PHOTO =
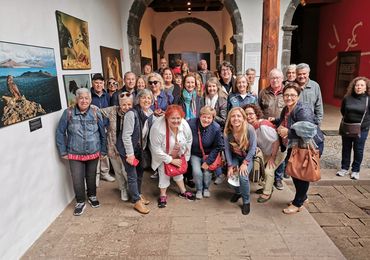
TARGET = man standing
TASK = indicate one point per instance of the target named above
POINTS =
(130, 81)
(162, 65)
(101, 99)
(271, 102)
(203, 71)
(225, 71)
(311, 92)
(251, 76)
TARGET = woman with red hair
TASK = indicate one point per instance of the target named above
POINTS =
(174, 127)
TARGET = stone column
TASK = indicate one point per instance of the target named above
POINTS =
(161, 53)
(270, 40)
(287, 45)
(217, 53)
(135, 59)
(237, 40)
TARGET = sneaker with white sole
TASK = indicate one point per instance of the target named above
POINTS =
(220, 179)
(154, 175)
(199, 195)
(206, 193)
(124, 195)
(355, 175)
(342, 172)
(94, 202)
(107, 177)
(79, 208)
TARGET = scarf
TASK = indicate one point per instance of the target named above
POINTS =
(211, 101)
(190, 104)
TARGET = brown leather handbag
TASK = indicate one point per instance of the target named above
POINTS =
(304, 164)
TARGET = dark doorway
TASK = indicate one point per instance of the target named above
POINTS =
(305, 37)
(154, 53)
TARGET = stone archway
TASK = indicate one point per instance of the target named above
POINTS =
(288, 29)
(200, 22)
(137, 11)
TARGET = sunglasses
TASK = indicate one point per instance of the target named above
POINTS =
(113, 83)
(125, 94)
(155, 82)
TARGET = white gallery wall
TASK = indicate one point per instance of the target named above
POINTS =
(35, 185)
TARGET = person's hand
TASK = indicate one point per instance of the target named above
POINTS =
(271, 163)
(102, 157)
(243, 169)
(205, 166)
(282, 131)
(158, 112)
(130, 159)
(65, 157)
(271, 119)
(230, 171)
(176, 162)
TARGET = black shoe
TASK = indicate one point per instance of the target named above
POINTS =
(246, 208)
(79, 209)
(235, 197)
(279, 184)
(94, 202)
(259, 191)
(190, 184)
(162, 201)
(286, 176)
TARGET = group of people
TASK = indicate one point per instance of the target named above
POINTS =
(202, 121)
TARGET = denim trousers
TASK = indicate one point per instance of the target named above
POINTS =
(279, 172)
(134, 178)
(244, 188)
(357, 144)
(81, 171)
(202, 178)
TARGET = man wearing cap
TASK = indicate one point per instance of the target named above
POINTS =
(101, 99)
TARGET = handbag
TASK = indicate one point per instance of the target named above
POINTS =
(217, 162)
(258, 169)
(352, 129)
(304, 164)
(170, 169)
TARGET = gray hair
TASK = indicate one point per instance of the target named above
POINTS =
(81, 91)
(249, 70)
(291, 67)
(302, 66)
(276, 71)
(155, 75)
(145, 92)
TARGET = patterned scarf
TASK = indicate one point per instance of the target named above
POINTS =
(190, 104)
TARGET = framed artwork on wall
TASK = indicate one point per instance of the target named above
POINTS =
(74, 82)
(28, 82)
(73, 42)
(111, 64)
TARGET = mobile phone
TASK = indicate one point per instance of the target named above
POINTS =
(136, 162)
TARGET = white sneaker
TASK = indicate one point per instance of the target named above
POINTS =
(220, 179)
(154, 175)
(206, 193)
(107, 177)
(199, 195)
(355, 175)
(97, 179)
(342, 172)
(124, 195)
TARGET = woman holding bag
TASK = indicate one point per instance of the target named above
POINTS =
(170, 144)
(293, 112)
(355, 109)
(205, 150)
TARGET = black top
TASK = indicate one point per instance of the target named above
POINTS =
(353, 108)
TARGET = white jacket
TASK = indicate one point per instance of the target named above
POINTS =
(158, 141)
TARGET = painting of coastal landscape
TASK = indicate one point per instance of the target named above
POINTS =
(28, 82)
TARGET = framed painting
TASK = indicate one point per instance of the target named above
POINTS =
(28, 82)
(73, 42)
(111, 64)
(74, 82)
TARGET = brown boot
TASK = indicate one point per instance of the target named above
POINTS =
(140, 207)
(144, 200)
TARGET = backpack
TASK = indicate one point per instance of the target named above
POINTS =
(258, 169)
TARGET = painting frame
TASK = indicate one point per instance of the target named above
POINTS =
(28, 82)
(72, 82)
(74, 46)
(111, 64)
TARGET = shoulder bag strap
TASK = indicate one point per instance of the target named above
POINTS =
(200, 143)
(367, 101)
(167, 139)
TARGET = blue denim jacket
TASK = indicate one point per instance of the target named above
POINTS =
(81, 134)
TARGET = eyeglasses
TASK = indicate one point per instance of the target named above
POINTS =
(113, 83)
(275, 78)
(290, 95)
(125, 94)
(250, 114)
(155, 82)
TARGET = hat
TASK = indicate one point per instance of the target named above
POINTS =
(98, 76)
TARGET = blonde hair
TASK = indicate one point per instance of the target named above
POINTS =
(214, 80)
(155, 75)
(238, 78)
(207, 110)
(242, 133)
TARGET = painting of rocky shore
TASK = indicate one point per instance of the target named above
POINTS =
(28, 83)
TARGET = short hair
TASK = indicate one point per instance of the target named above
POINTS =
(171, 109)
(144, 92)
(212, 80)
(292, 85)
(277, 71)
(207, 110)
(98, 76)
(125, 96)
(239, 77)
(128, 73)
(291, 67)
(168, 68)
(81, 91)
(158, 76)
(225, 64)
(256, 109)
(249, 70)
(352, 84)
(302, 66)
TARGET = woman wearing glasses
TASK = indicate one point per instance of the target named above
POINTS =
(293, 112)
(112, 86)
(161, 98)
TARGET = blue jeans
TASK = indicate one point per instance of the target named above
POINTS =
(81, 170)
(202, 178)
(279, 173)
(358, 145)
(244, 188)
(134, 178)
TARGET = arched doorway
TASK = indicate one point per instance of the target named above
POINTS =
(137, 11)
(194, 20)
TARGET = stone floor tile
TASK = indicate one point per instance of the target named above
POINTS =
(328, 219)
(311, 207)
(356, 253)
(232, 244)
(349, 191)
(350, 221)
(188, 245)
(340, 232)
(272, 258)
(363, 202)
(223, 224)
(266, 245)
(188, 225)
(154, 225)
(366, 221)
(149, 245)
(230, 257)
(254, 226)
(362, 231)
(342, 242)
